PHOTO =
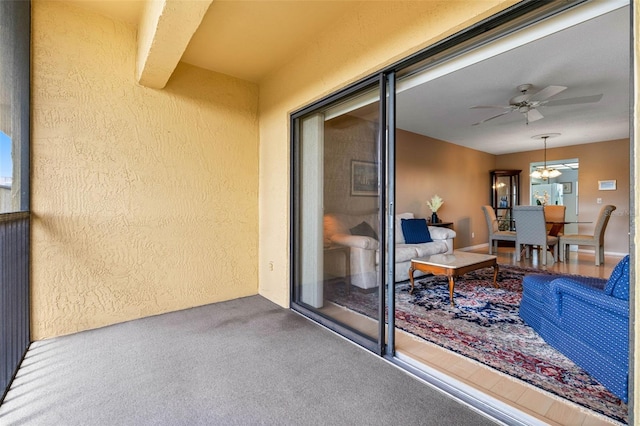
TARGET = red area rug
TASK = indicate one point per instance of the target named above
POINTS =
(485, 326)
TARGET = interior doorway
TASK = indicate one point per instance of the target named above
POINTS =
(561, 190)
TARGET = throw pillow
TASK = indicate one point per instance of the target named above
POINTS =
(365, 230)
(398, 223)
(618, 283)
(416, 231)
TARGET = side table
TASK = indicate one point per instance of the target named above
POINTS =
(346, 252)
(442, 224)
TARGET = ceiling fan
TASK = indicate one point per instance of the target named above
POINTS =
(527, 103)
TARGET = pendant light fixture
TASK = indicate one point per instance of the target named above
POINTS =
(545, 173)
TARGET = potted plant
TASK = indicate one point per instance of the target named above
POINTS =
(435, 203)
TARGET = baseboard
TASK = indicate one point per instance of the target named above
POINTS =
(470, 248)
(606, 253)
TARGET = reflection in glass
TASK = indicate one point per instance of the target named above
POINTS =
(337, 244)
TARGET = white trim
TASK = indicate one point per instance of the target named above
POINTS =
(606, 253)
(471, 248)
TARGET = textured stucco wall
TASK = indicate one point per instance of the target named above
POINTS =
(144, 201)
(377, 34)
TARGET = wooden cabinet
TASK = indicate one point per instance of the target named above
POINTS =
(505, 193)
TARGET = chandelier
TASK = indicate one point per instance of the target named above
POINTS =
(545, 173)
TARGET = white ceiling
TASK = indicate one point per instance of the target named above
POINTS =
(589, 58)
(250, 39)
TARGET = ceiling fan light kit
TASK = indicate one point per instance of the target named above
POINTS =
(545, 173)
(527, 103)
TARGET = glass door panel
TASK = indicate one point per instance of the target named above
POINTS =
(336, 244)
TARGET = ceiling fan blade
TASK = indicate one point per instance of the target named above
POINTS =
(491, 106)
(571, 101)
(546, 93)
(491, 118)
(534, 115)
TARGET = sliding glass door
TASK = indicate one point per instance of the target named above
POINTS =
(338, 229)
(438, 105)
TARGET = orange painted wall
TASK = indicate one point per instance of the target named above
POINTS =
(459, 175)
(598, 161)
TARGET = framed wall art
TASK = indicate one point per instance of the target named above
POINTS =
(364, 178)
(607, 185)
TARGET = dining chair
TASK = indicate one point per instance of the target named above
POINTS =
(495, 234)
(531, 231)
(596, 240)
(555, 213)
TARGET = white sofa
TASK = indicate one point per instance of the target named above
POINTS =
(364, 250)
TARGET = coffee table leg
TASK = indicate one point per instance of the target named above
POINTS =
(451, 285)
(495, 275)
(411, 278)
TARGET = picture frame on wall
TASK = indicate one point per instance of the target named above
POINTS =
(364, 178)
(607, 185)
(567, 187)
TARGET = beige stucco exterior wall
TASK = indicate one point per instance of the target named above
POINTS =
(144, 201)
(375, 35)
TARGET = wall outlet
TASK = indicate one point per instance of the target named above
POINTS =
(473, 235)
(271, 265)
(598, 200)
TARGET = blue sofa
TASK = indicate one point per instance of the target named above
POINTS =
(587, 319)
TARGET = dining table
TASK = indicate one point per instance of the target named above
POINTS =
(556, 226)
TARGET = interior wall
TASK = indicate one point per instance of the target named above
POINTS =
(375, 35)
(598, 161)
(459, 175)
(143, 201)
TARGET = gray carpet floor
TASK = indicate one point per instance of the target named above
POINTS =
(242, 362)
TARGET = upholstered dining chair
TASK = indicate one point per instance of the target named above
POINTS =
(554, 213)
(596, 240)
(531, 231)
(495, 234)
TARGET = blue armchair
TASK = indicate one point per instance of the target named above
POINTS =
(587, 319)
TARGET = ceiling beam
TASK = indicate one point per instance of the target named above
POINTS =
(165, 29)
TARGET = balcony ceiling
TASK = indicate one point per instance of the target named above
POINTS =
(250, 39)
(244, 39)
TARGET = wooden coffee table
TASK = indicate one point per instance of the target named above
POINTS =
(452, 266)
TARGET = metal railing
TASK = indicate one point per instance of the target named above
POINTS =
(14, 295)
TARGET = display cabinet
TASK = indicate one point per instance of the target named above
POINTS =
(505, 193)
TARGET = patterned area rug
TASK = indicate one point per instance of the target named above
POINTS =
(485, 326)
